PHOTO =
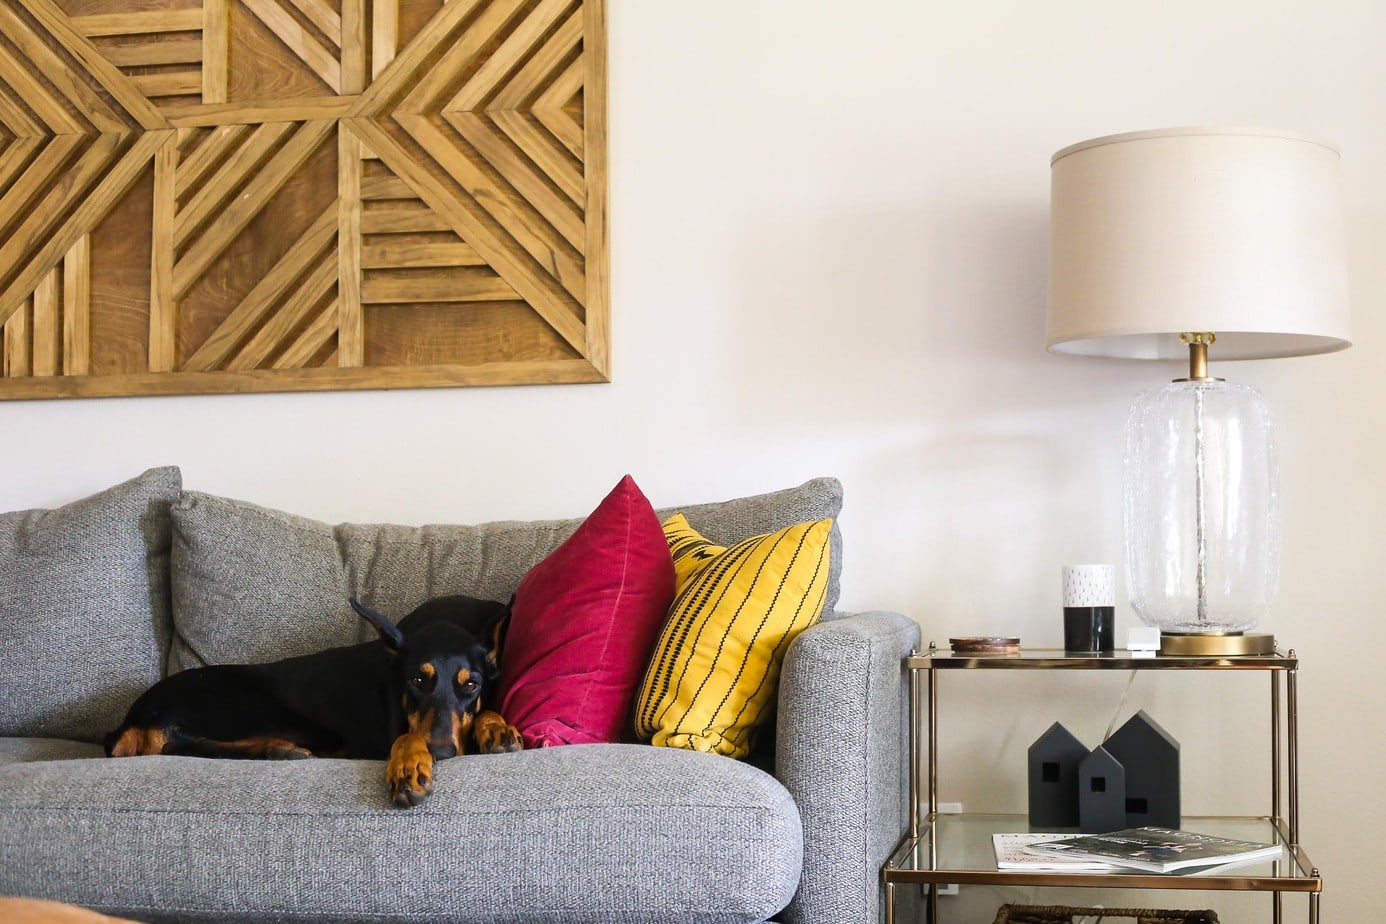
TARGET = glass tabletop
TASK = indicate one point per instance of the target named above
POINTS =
(958, 849)
(1057, 659)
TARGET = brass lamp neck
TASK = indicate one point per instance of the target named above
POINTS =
(1198, 355)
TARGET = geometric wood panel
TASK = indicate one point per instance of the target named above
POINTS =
(279, 195)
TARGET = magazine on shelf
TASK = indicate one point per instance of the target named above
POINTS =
(1012, 853)
(1158, 850)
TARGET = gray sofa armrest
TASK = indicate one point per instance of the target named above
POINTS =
(840, 751)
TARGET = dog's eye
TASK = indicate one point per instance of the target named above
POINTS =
(470, 686)
(418, 681)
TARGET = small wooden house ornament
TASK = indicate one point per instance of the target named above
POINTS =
(1054, 759)
(1101, 793)
(1150, 757)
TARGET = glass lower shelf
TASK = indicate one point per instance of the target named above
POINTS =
(958, 849)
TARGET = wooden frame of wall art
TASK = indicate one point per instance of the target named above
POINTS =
(279, 195)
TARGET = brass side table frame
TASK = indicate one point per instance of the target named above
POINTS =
(916, 859)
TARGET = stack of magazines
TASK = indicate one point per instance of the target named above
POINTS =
(1152, 850)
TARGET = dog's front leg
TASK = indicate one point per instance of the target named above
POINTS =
(410, 770)
(494, 735)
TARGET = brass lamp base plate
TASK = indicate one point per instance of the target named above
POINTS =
(1197, 644)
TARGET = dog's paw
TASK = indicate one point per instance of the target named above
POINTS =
(409, 771)
(287, 751)
(496, 736)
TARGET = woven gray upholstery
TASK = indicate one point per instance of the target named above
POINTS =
(585, 833)
(84, 612)
(18, 750)
(839, 751)
(609, 833)
(254, 584)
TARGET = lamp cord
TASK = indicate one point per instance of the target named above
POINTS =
(1121, 703)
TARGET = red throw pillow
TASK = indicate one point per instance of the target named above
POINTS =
(583, 624)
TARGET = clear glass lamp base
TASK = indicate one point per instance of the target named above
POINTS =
(1202, 524)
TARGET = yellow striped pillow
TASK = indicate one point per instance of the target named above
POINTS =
(715, 669)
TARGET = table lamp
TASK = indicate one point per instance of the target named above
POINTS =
(1199, 242)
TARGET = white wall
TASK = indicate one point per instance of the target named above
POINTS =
(829, 228)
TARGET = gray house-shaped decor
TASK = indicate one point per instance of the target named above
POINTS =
(1151, 759)
(1101, 793)
(1053, 767)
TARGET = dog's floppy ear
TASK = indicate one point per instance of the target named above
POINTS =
(495, 638)
(389, 632)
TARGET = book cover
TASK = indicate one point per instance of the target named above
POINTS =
(1158, 850)
(1011, 853)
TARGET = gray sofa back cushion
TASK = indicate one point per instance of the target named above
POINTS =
(84, 608)
(254, 584)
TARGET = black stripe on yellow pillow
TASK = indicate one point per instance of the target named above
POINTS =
(716, 666)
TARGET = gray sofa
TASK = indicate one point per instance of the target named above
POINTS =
(100, 598)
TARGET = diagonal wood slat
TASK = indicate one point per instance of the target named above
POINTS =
(311, 341)
(46, 209)
(80, 62)
(559, 93)
(529, 186)
(539, 147)
(16, 117)
(509, 57)
(57, 239)
(530, 281)
(428, 95)
(172, 219)
(46, 107)
(287, 315)
(522, 227)
(321, 14)
(49, 334)
(240, 166)
(214, 147)
(538, 73)
(232, 220)
(563, 127)
(270, 291)
(320, 58)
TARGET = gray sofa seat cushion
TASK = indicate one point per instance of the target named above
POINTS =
(21, 750)
(84, 608)
(255, 584)
(599, 833)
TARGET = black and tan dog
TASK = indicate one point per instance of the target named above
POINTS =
(413, 696)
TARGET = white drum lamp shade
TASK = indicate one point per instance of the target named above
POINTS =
(1190, 243)
(1155, 234)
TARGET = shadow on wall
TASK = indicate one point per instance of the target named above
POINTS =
(973, 528)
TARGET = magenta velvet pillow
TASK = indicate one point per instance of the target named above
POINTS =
(583, 624)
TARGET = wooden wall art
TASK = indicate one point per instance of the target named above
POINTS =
(282, 195)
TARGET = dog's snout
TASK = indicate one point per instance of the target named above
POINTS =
(445, 734)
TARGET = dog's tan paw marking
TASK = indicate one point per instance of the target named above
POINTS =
(496, 736)
(409, 771)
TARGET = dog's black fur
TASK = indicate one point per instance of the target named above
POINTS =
(413, 696)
